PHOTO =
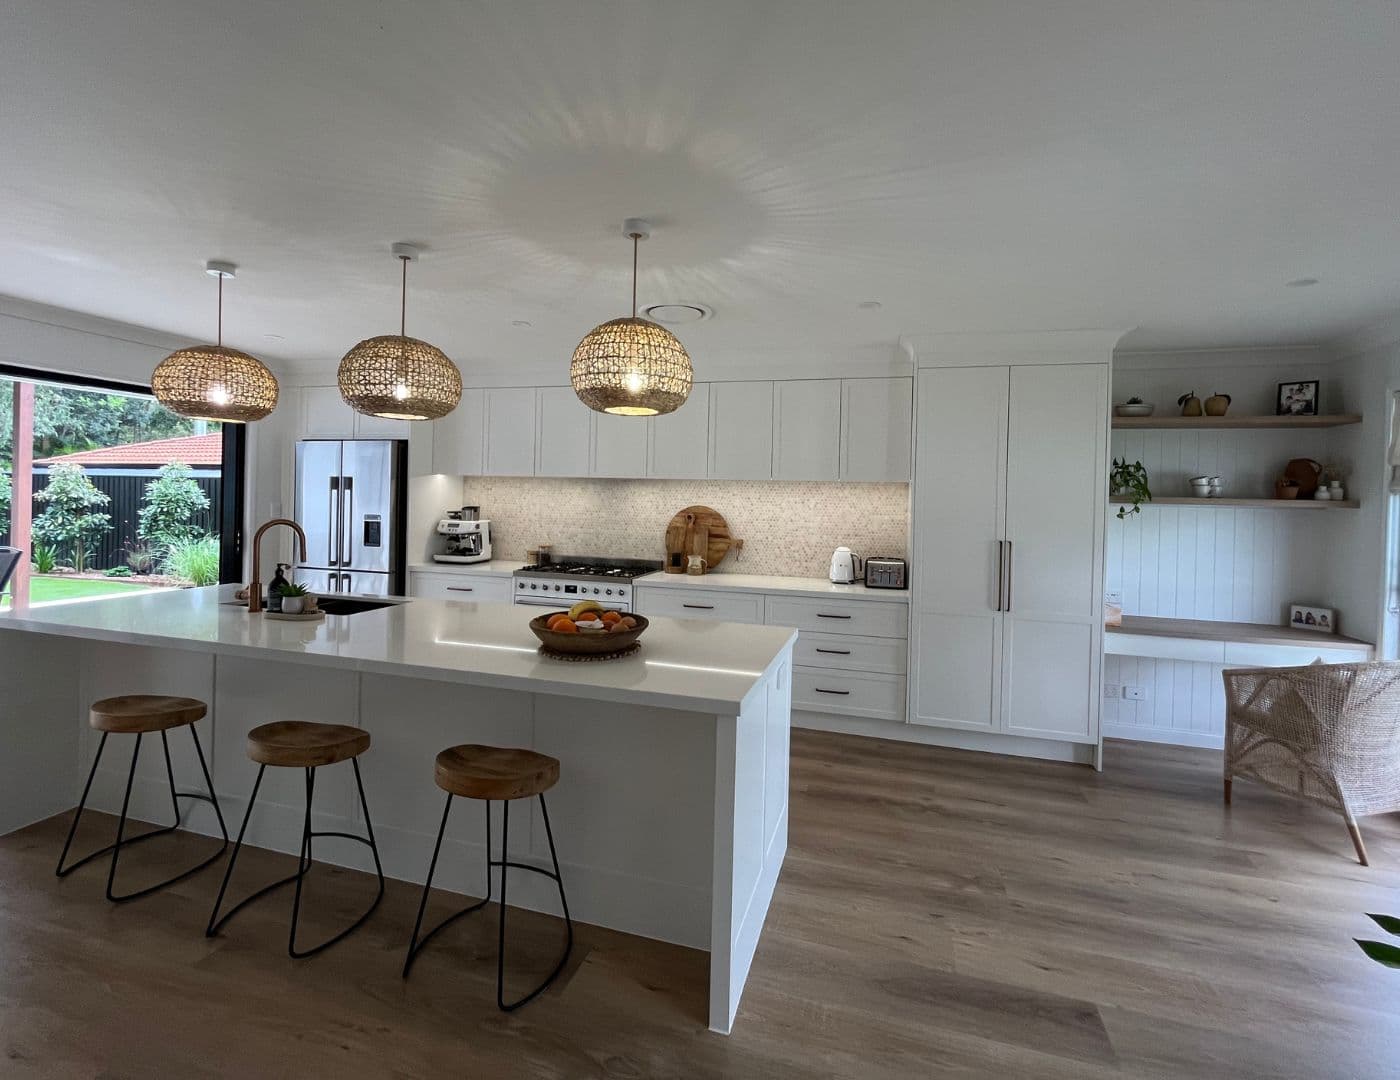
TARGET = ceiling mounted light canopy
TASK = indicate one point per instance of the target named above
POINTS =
(399, 377)
(630, 366)
(210, 382)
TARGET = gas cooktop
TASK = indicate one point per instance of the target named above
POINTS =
(594, 567)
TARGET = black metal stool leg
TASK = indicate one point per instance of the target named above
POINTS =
(415, 945)
(215, 923)
(505, 862)
(122, 840)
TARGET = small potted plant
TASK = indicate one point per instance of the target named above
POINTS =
(1134, 406)
(293, 598)
(1129, 481)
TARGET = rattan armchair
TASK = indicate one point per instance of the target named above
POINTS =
(1329, 733)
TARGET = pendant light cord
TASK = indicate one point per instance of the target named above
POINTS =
(636, 239)
(403, 296)
(221, 310)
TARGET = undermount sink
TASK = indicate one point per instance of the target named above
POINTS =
(341, 605)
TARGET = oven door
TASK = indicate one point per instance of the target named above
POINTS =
(562, 603)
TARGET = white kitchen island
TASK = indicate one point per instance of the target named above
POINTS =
(670, 814)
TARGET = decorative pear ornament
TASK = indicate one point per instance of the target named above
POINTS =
(1217, 404)
(1190, 404)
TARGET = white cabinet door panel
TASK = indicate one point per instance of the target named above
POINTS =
(494, 589)
(324, 414)
(459, 437)
(510, 431)
(1049, 693)
(955, 680)
(379, 427)
(565, 426)
(807, 429)
(741, 431)
(620, 445)
(680, 441)
(876, 429)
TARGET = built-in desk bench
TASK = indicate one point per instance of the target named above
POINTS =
(1230, 643)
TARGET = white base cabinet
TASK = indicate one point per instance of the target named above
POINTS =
(466, 587)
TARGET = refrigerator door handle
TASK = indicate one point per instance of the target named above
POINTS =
(332, 535)
(347, 500)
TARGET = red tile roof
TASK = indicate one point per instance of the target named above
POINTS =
(194, 450)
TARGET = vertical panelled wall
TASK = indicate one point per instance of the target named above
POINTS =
(1234, 565)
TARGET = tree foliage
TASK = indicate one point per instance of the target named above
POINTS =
(4, 496)
(72, 517)
(169, 506)
(68, 419)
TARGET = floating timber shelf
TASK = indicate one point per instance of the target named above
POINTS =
(1250, 504)
(1168, 423)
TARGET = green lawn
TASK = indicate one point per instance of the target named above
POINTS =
(43, 588)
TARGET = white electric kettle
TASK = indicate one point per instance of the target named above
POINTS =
(845, 566)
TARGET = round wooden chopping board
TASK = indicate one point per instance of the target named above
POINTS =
(681, 529)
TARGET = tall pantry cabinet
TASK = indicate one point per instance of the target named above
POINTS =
(1009, 502)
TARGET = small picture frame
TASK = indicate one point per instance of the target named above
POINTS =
(1322, 620)
(1297, 398)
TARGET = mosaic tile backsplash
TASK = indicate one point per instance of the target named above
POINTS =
(788, 527)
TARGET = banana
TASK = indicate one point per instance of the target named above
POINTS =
(583, 606)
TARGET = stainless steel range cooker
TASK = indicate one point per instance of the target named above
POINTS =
(565, 581)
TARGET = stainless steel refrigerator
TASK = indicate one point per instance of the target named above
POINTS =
(351, 500)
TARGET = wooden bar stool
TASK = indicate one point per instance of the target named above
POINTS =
(297, 744)
(487, 773)
(141, 715)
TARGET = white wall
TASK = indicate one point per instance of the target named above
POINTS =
(52, 339)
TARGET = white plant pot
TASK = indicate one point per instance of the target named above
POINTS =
(293, 605)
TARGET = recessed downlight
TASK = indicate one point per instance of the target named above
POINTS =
(1300, 283)
(677, 314)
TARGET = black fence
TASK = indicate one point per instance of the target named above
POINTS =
(125, 489)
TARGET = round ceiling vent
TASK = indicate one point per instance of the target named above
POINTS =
(676, 314)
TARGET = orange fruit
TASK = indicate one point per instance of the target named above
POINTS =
(565, 625)
(611, 617)
(629, 622)
(554, 620)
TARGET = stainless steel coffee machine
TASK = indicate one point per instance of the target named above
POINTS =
(464, 539)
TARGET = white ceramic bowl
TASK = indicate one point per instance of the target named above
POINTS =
(1133, 410)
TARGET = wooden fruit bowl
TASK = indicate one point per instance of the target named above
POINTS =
(582, 644)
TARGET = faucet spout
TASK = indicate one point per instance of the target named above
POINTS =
(255, 600)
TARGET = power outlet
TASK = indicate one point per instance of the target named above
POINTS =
(1112, 690)
(1113, 596)
(1135, 693)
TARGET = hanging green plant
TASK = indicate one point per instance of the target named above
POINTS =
(1130, 481)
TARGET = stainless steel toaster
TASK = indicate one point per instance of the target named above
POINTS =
(886, 573)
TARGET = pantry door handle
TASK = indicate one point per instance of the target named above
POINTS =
(836, 652)
(839, 693)
(1010, 571)
(821, 615)
(700, 607)
(1001, 573)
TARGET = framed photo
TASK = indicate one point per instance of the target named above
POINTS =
(1321, 619)
(1297, 398)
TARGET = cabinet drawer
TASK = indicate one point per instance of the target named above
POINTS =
(486, 590)
(865, 617)
(886, 656)
(700, 604)
(879, 697)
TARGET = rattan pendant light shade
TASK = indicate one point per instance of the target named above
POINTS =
(631, 366)
(399, 377)
(211, 382)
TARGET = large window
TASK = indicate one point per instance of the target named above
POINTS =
(121, 494)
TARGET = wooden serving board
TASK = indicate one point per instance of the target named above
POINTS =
(683, 534)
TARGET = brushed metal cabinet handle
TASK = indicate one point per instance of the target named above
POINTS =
(839, 693)
(700, 607)
(823, 615)
(835, 652)
(460, 588)
(1010, 571)
(1001, 573)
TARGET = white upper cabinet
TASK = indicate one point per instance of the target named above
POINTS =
(459, 442)
(876, 428)
(565, 429)
(324, 415)
(680, 441)
(620, 445)
(510, 431)
(741, 431)
(807, 429)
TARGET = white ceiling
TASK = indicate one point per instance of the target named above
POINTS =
(974, 166)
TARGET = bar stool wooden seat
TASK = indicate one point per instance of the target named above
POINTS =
(491, 773)
(141, 715)
(298, 744)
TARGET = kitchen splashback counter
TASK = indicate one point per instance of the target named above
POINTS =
(769, 583)
(671, 809)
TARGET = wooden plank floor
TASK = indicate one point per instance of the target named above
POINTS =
(941, 914)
